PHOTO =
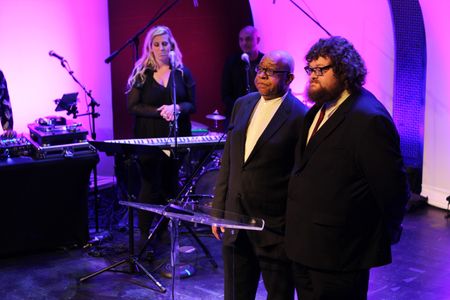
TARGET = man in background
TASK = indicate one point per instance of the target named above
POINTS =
(239, 71)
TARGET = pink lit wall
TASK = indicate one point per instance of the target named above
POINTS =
(77, 30)
(367, 24)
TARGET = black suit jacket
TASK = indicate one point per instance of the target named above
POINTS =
(258, 187)
(348, 191)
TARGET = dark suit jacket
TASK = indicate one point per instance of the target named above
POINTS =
(348, 191)
(258, 187)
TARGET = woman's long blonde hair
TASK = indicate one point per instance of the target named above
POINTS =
(147, 60)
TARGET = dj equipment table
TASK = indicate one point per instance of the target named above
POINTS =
(44, 202)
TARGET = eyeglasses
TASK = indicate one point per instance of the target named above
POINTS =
(318, 71)
(267, 72)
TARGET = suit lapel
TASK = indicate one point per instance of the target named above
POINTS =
(330, 125)
(277, 121)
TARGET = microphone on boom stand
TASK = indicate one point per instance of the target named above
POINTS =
(245, 58)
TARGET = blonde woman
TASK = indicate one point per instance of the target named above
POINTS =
(150, 102)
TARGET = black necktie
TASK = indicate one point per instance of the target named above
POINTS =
(319, 121)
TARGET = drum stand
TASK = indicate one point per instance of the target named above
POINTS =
(190, 230)
(132, 260)
(184, 196)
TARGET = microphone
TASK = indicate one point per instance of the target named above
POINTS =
(52, 53)
(245, 58)
(172, 58)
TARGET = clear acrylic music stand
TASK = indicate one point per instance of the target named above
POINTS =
(195, 214)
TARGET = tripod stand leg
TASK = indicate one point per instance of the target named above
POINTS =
(161, 288)
(204, 248)
(152, 234)
(103, 270)
(133, 262)
(96, 199)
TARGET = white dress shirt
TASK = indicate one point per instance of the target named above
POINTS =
(261, 116)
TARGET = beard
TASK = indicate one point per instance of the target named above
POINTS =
(323, 95)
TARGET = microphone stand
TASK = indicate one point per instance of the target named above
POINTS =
(133, 40)
(311, 18)
(247, 77)
(174, 127)
(93, 115)
(174, 123)
(132, 260)
(183, 194)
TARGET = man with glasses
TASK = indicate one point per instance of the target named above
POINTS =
(239, 70)
(348, 189)
(253, 180)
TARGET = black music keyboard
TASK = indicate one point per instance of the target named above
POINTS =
(155, 145)
(168, 143)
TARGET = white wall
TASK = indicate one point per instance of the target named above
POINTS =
(436, 167)
(77, 30)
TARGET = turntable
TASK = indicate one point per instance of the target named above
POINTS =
(56, 130)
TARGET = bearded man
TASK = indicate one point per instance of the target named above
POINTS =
(348, 189)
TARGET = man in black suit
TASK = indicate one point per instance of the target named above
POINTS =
(348, 190)
(239, 70)
(253, 180)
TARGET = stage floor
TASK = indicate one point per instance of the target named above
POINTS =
(420, 270)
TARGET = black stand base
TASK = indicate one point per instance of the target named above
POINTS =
(135, 266)
(132, 260)
(184, 270)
